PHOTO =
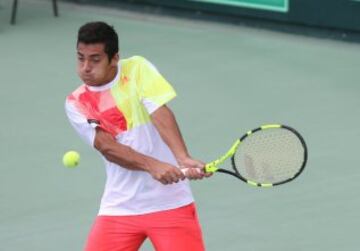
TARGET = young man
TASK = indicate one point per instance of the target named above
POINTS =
(120, 109)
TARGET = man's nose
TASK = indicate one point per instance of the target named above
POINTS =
(86, 66)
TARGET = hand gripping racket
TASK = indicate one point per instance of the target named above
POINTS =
(267, 156)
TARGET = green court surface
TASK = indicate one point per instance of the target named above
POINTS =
(229, 79)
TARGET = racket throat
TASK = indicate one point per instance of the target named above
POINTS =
(211, 168)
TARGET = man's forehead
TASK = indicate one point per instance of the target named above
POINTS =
(97, 48)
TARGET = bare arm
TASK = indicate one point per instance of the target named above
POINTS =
(164, 120)
(128, 158)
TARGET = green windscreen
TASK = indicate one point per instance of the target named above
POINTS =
(274, 5)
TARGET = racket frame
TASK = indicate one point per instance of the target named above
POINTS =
(212, 167)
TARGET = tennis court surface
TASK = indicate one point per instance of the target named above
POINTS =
(229, 79)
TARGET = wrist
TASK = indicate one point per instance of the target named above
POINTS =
(148, 164)
(182, 159)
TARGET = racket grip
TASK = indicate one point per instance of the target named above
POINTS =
(185, 170)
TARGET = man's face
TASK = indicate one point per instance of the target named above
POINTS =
(93, 65)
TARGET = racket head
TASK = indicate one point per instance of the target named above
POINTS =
(269, 155)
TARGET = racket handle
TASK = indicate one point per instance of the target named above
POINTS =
(185, 170)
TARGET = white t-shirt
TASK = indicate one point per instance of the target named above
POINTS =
(123, 107)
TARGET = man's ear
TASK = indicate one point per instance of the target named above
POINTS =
(115, 60)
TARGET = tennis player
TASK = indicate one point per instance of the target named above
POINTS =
(120, 109)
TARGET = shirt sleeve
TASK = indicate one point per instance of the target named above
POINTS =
(80, 123)
(154, 89)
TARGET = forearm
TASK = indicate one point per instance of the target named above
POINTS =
(121, 154)
(126, 157)
(164, 120)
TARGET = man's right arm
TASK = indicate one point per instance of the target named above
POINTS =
(131, 159)
(118, 153)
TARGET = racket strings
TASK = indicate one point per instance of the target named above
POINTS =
(269, 156)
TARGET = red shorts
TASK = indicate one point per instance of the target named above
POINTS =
(176, 230)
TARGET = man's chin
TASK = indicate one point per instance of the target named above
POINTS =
(89, 82)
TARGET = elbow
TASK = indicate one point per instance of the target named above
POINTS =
(106, 151)
(102, 148)
(104, 145)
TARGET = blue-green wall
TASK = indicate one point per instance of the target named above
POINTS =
(341, 14)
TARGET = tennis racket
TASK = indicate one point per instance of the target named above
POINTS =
(267, 156)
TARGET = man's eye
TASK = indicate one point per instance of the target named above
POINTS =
(81, 59)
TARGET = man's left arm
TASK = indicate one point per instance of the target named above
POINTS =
(165, 122)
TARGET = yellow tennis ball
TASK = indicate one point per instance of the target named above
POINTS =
(71, 159)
